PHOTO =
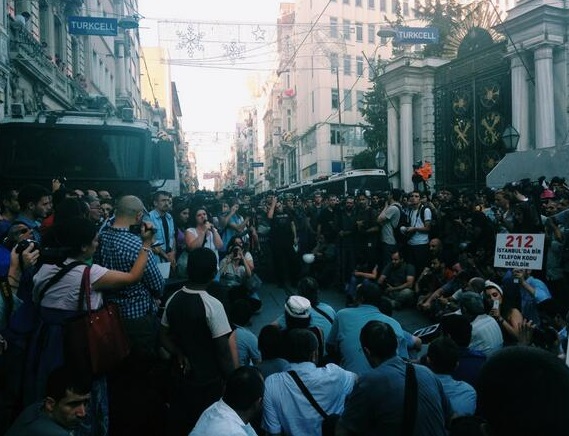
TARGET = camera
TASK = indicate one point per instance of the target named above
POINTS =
(136, 229)
(235, 251)
(25, 243)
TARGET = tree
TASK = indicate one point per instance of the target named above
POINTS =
(374, 111)
(442, 14)
(364, 160)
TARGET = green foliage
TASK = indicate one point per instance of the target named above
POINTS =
(443, 14)
(374, 112)
(364, 160)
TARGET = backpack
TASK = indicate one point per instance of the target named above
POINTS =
(400, 237)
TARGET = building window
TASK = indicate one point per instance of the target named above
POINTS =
(347, 65)
(359, 65)
(359, 3)
(406, 8)
(347, 99)
(371, 4)
(346, 29)
(360, 100)
(383, 5)
(346, 2)
(335, 135)
(289, 120)
(359, 32)
(394, 5)
(335, 99)
(333, 27)
(334, 62)
(371, 33)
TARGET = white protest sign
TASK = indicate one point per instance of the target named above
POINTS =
(519, 250)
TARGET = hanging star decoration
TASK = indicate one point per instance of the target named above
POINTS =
(258, 33)
(234, 51)
(190, 40)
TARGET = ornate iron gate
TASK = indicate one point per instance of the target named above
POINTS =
(472, 108)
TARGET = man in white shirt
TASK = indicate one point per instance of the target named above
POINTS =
(241, 403)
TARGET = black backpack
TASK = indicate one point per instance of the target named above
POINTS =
(400, 237)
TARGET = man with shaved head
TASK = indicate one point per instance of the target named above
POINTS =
(130, 387)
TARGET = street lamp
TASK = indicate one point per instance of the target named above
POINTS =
(129, 22)
(386, 32)
(380, 159)
(510, 138)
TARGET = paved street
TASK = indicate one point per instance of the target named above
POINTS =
(274, 299)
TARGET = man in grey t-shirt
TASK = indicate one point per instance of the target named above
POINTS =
(388, 220)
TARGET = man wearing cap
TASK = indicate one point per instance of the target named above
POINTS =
(286, 410)
(486, 334)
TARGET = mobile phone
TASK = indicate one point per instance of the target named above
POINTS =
(496, 304)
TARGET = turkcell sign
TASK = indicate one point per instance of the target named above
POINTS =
(417, 35)
(92, 26)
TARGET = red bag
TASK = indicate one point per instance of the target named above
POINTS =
(95, 341)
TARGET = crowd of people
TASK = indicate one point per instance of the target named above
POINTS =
(187, 275)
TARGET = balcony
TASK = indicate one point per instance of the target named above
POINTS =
(27, 54)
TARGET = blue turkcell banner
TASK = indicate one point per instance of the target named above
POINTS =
(417, 35)
(92, 26)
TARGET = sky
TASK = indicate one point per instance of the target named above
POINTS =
(224, 34)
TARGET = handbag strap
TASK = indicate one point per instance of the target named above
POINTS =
(57, 277)
(410, 401)
(324, 314)
(85, 290)
(307, 394)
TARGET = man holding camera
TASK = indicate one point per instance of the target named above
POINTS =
(131, 392)
(118, 249)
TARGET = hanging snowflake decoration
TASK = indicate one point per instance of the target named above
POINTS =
(190, 40)
(258, 33)
(234, 51)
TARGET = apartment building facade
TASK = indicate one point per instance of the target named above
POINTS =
(328, 52)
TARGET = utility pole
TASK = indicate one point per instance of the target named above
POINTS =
(340, 127)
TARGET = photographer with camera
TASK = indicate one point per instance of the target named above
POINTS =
(231, 222)
(19, 255)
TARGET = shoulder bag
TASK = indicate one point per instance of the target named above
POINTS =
(329, 421)
(96, 340)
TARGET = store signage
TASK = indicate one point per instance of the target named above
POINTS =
(417, 35)
(92, 26)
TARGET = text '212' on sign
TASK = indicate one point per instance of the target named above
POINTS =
(519, 250)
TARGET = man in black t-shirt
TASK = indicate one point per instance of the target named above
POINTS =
(196, 331)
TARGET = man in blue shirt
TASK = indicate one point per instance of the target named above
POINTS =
(35, 205)
(376, 405)
(165, 248)
(343, 339)
(442, 358)
(532, 292)
(286, 410)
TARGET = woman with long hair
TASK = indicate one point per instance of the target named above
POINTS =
(202, 233)
(508, 317)
(58, 302)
